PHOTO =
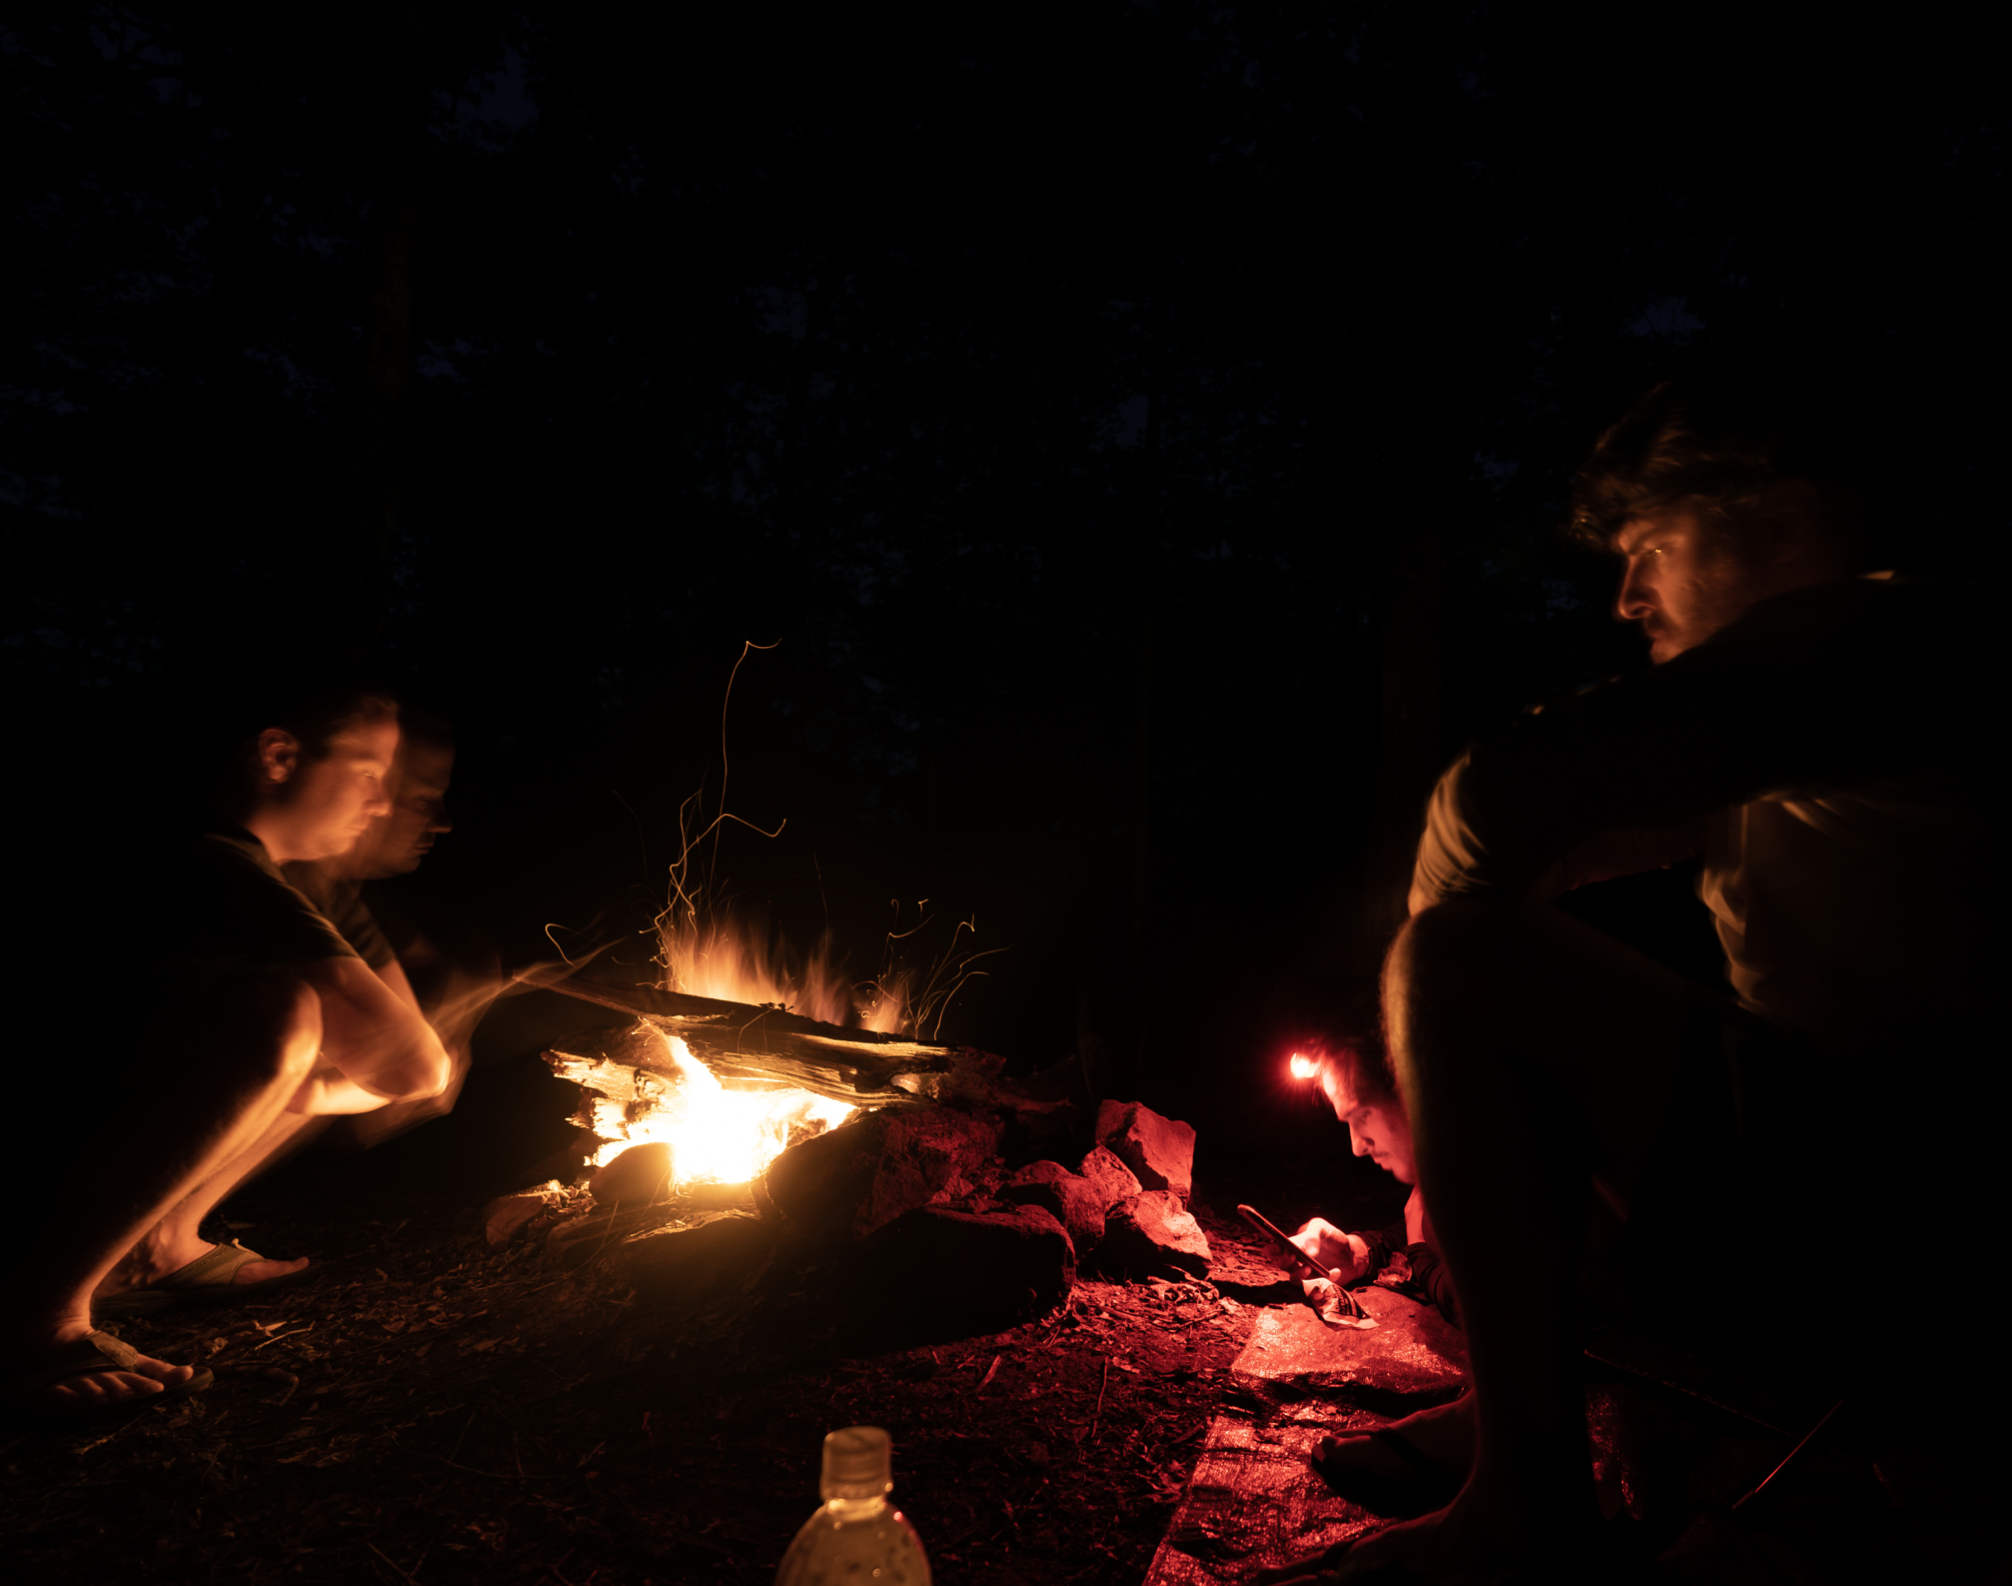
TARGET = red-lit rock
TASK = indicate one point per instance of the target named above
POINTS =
(933, 1272)
(1074, 1202)
(1039, 1173)
(1410, 1352)
(1161, 1151)
(1114, 1182)
(852, 1180)
(1153, 1233)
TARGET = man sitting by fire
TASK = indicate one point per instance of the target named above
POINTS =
(1807, 728)
(454, 980)
(257, 1017)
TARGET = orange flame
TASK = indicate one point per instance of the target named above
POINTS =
(1302, 1066)
(718, 1135)
(725, 961)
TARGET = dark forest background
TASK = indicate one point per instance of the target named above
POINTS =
(1140, 429)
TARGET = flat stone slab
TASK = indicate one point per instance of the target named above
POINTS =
(1411, 1352)
(1253, 1502)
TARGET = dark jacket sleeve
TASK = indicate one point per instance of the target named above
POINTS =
(1831, 685)
(1430, 1278)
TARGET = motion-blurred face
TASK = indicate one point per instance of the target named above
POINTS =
(321, 808)
(417, 816)
(1680, 579)
(1377, 1125)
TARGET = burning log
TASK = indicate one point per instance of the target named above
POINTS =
(758, 1048)
(889, 1161)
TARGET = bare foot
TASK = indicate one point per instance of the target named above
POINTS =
(125, 1381)
(148, 1263)
(1444, 1435)
(260, 1271)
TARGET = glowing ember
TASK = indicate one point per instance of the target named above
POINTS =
(718, 1135)
(1302, 1066)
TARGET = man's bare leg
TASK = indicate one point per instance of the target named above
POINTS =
(176, 1240)
(228, 1067)
(1532, 1051)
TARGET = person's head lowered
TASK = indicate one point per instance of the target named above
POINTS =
(1353, 1070)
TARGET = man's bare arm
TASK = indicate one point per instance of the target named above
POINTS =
(375, 1039)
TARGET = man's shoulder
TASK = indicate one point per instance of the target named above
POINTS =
(1874, 606)
(231, 849)
(233, 903)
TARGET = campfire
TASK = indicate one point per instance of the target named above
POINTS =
(715, 1135)
(732, 1133)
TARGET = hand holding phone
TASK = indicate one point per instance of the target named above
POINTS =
(1291, 1257)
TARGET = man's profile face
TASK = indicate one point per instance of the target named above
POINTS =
(418, 813)
(330, 802)
(1680, 579)
(1378, 1127)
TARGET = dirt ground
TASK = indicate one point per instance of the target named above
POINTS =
(433, 1410)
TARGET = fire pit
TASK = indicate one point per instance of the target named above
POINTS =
(944, 1198)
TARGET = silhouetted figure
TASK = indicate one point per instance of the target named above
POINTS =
(1809, 730)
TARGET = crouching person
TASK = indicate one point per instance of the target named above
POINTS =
(1352, 1067)
(251, 1017)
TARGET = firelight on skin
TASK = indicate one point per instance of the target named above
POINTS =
(1677, 580)
(322, 807)
(1682, 580)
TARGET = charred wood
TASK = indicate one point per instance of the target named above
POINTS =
(755, 1048)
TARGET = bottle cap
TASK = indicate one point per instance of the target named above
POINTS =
(857, 1462)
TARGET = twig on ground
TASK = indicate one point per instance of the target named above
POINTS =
(492, 1475)
(1103, 1383)
(1789, 1458)
(464, 1431)
(414, 1579)
(991, 1371)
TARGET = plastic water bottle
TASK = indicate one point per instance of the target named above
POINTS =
(857, 1538)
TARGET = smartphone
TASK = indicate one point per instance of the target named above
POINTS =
(1292, 1258)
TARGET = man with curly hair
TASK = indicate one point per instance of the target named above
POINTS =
(1810, 730)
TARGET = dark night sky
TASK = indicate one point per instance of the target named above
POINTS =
(1046, 382)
